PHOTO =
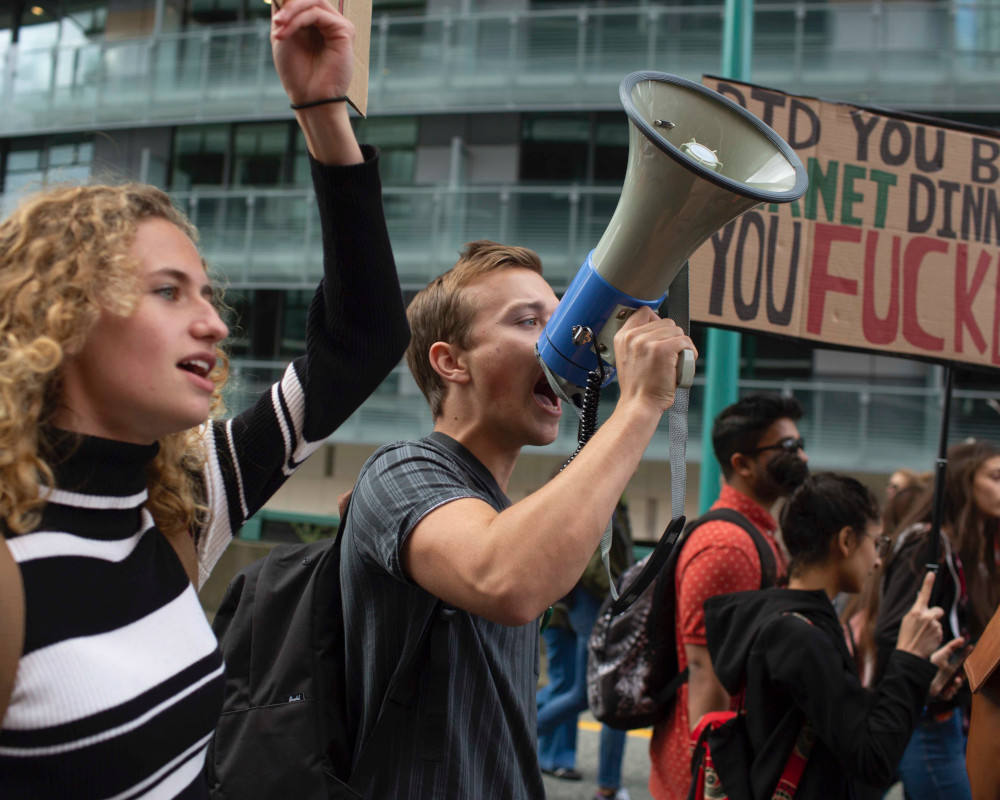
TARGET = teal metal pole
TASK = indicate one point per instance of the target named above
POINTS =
(723, 347)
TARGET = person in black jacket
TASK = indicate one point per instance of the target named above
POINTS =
(789, 651)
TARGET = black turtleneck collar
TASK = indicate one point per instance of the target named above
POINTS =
(96, 466)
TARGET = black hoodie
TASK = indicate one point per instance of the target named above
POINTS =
(795, 669)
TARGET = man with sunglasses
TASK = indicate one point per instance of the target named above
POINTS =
(761, 452)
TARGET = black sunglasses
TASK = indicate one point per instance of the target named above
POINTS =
(790, 445)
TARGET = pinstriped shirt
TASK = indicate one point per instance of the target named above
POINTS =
(490, 747)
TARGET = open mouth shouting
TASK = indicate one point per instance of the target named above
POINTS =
(198, 366)
(546, 397)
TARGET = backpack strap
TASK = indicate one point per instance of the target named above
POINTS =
(788, 783)
(11, 623)
(402, 693)
(768, 568)
(432, 645)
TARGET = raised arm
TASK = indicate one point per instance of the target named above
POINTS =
(313, 49)
(509, 567)
(356, 331)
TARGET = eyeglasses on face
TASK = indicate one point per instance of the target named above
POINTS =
(788, 444)
(882, 544)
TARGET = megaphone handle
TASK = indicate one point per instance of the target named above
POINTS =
(685, 369)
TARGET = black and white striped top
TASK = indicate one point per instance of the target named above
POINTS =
(120, 683)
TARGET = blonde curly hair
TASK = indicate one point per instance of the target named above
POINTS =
(64, 256)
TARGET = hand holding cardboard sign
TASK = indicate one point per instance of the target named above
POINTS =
(313, 48)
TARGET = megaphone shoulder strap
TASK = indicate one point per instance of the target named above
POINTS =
(677, 432)
(677, 305)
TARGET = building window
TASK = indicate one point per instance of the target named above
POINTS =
(260, 153)
(574, 148)
(266, 324)
(554, 148)
(399, 6)
(241, 155)
(396, 138)
(30, 164)
(198, 13)
(200, 157)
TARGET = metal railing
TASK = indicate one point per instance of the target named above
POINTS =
(905, 53)
(271, 238)
(847, 426)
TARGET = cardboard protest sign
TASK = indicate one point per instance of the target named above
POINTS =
(895, 246)
(360, 13)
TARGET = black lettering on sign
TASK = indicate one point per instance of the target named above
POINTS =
(864, 129)
(984, 156)
(720, 246)
(811, 128)
(782, 316)
(902, 152)
(745, 310)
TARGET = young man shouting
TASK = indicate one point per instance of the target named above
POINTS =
(429, 520)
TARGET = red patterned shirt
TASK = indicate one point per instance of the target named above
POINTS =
(719, 558)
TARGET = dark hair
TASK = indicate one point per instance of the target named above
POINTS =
(738, 427)
(973, 535)
(818, 509)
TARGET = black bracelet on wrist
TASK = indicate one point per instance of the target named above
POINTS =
(341, 99)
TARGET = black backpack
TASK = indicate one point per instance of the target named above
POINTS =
(282, 733)
(632, 669)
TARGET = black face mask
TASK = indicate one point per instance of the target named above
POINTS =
(787, 472)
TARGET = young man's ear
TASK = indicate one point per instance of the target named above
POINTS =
(742, 464)
(448, 361)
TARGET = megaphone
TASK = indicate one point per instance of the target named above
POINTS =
(697, 160)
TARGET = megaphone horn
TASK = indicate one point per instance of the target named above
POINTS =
(697, 160)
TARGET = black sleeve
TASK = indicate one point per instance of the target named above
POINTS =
(356, 332)
(865, 731)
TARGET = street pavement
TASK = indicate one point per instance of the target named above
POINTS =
(635, 767)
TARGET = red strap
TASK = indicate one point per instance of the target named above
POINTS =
(788, 783)
(714, 718)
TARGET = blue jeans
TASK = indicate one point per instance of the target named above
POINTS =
(561, 707)
(933, 766)
(558, 749)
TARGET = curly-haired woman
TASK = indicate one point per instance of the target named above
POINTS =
(111, 452)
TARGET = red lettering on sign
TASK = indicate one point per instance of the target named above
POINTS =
(965, 295)
(913, 259)
(821, 281)
(876, 330)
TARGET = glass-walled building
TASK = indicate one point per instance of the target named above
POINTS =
(496, 120)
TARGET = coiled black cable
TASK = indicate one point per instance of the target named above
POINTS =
(588, 409)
